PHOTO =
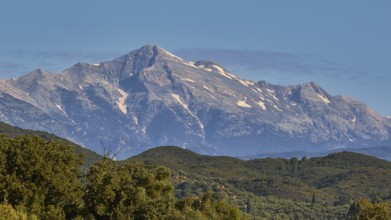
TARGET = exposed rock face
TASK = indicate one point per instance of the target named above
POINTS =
(150, 97)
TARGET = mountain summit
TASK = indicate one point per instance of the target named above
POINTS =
(150, 97)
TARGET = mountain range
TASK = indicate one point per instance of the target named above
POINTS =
(150, 97)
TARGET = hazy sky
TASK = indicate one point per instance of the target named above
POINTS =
(345, 46)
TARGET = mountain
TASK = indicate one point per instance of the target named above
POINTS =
(381, 152)
(345, 174)
(150, 97)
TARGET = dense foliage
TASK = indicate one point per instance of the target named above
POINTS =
(46, 179)
(315, 188)
(42, 179)
(89, 156)
(364, 209)
(40, 175)
(129, 191)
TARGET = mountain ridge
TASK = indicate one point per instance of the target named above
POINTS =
(335, 179)
(150, 97)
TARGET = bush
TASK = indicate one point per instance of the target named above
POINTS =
(364, 209)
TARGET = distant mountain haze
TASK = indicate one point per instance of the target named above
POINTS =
(150, 97)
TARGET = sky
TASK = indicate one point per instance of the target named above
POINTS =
(344, 46)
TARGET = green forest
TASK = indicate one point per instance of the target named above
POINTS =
(43, 177)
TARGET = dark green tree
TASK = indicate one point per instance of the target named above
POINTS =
(303, 163)
(313, 200)
(40, 175)
(128, 191)
(249, 206)
(294, 162)
(206, 207)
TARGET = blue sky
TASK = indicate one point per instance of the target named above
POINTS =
(345, 46)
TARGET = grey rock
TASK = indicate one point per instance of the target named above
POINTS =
(149, 98)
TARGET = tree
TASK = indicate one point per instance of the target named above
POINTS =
(192, 207)
(128, 191)
(249, 206)
(313, 200)
(364, 209)
(40, 175)
(42, 179)
(294, 163)
(303, 162)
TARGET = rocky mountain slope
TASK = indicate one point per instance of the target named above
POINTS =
(150, 98)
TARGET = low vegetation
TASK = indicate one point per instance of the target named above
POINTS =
(49, 178)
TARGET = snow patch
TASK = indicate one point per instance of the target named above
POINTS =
(80, 87)
(225, 75)
(275, 98)
(246, 83)
(95, 64)
(324, 99)
(207, 88)
(255, 91)
(186, 107)
(354, 119)
(172, 55)
(270, 91)
(189, 80)
(135, 120)
(205, 68)
(176, 97)
(243, 103)
(262, 105)
(61, 109)
(276, 107)
(121, 101)
(258, 92)
(243, 82)
(221, 71)
(231, 75)
(191, 64)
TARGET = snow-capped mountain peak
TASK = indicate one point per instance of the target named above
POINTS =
(150, 97)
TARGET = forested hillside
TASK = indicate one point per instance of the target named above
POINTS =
(51, 178)
(315, 188)
(42, 179)
(88, 156)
